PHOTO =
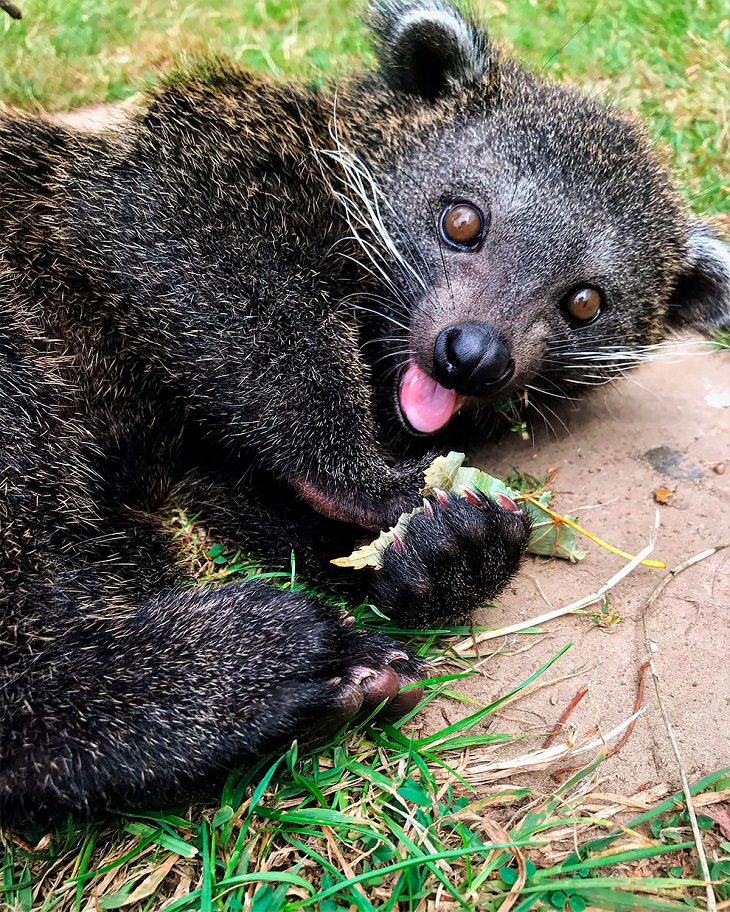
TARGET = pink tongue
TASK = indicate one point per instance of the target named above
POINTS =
(426, 404)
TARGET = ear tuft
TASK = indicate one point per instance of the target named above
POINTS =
(428, 48)
(701, 298)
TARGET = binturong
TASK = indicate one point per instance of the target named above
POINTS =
(268, 306)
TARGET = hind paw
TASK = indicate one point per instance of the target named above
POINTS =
(368, 671)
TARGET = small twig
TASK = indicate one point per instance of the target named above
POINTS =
(559, 773)
(542, 757)
(710, 893)
(346, 867)
(564, 717)
(11, 9)
(637, 706)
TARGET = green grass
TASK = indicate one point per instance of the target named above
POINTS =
(668, 59)
(381, 817)
(378, 818)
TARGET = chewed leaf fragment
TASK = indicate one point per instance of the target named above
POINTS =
(550, 537)
(371, 555)
(440, 475)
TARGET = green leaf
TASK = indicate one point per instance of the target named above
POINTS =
(558, 900)
(222, 815)
(384, 853)
(617, 858)
(626, 902)
(215, 551)
(415, 793)
(162, 838)
(577, 904)
(415, 861)
(269, 899)
(371, 555)
(508, 875)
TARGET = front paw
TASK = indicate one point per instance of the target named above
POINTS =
(455, 556)
(373, 497)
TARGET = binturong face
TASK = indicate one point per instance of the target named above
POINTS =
(527, 237)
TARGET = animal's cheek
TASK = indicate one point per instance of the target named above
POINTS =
(529, 345)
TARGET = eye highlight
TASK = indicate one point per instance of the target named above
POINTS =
(583, 305)
(462, 225)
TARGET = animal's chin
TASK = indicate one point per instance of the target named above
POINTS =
(425, 405)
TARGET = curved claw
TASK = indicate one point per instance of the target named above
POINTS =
(398, 542)
(442, 497)
(472, 497)
(508, 503)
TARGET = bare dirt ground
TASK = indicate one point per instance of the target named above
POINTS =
(668, 426)
(96, 118)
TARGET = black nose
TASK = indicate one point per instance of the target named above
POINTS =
(472, 358)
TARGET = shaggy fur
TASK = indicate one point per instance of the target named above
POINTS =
(212, 307)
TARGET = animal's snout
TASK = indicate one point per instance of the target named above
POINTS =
(472, 358)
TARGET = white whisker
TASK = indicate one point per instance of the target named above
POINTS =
(379, 313)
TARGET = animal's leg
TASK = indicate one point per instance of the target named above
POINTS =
(261, 514)
(314, 429)
(454, 556)
(108, 704)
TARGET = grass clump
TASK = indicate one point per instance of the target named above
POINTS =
(373, 820)
(406, 816)
(378, 818)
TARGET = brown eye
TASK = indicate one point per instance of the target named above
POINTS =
(584, 304)
(462, 225)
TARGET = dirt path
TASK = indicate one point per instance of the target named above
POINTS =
(666, 427)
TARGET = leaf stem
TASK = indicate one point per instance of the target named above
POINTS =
(657, 565)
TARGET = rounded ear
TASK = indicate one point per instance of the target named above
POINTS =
(428, 48)
(701, 297)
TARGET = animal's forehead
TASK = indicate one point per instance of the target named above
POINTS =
(589, 183)
(504, 143)
(559, 211)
